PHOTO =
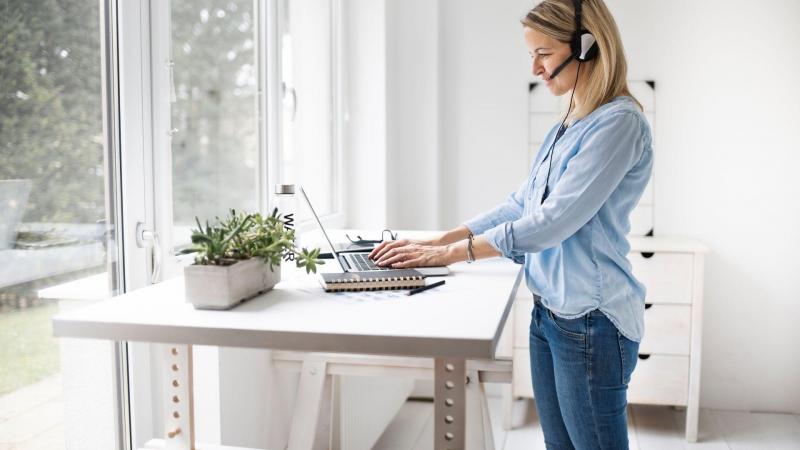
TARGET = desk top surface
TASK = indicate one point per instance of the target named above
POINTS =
(463, 318)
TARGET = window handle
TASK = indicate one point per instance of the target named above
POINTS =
(172, 96)
(290, 100)
(146, 237)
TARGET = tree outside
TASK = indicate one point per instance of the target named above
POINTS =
(51, 133)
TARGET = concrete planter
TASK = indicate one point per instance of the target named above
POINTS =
(222, 287)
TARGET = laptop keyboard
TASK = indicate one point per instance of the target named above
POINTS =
(361, 262)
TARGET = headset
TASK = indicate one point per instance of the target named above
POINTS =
(583, 48)
(583, 44)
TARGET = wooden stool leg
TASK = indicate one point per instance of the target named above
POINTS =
(179, 398)
(313, 397)
(508, 406)
(487, 420)
(479, 425)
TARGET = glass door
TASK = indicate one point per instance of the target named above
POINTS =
(60, 227)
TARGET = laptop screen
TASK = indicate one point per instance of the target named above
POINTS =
(324, 233)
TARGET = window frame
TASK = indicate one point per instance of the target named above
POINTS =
(337, 218)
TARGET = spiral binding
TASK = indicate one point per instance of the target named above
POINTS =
(368, 285)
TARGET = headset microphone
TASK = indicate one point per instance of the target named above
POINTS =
(562, 66)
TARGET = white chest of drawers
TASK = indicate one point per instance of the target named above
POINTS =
(668, 370)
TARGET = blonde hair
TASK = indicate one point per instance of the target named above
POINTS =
(606, 75)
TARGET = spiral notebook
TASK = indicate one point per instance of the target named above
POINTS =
(372, 281)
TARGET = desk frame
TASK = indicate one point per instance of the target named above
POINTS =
(461, 412)
(458, 391)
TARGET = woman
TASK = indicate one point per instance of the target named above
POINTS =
(568, 222)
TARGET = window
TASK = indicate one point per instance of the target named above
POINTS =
(214, 89)
(214, 111)
(57, 216)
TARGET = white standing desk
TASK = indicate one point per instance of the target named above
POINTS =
(452, 323)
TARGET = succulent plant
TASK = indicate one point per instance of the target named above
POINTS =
(242, 236)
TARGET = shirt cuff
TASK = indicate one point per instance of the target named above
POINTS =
(477, 225)
(501, 238)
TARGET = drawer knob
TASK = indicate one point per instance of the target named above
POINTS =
(648, 255)
(644, 356)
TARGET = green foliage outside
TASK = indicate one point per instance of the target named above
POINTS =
(50, 107)
(28, 350)
(51, 133)
(214, 151)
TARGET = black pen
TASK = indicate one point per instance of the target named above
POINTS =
(425, 288)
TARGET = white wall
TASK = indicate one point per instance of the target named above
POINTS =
(484, 78)
(365, 112)
(726, 152)
(412, 80)
(727, 138)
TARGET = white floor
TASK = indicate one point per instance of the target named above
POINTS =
(649, 428)
(30, 419)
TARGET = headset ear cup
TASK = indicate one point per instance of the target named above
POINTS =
(588, 47)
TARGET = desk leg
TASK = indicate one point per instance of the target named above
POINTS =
(313, 400)
(449, 403)
(179, 399)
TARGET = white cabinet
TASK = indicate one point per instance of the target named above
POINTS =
(668, 370)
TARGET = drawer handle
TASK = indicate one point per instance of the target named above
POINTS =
(644, 356)
(648, 255)
(648, 305)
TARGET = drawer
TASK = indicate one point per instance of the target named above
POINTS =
(522, 386)
(523, 308)
(668, 276)
(660, 380)
(666, 329)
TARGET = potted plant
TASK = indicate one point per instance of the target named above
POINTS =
(240, 257)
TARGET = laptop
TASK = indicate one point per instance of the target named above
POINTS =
(355, 261)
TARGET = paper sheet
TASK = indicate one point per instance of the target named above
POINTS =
(369, 296)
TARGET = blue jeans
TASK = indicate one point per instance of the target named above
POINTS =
(580, 370)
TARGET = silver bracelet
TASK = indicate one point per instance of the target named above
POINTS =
(470, 254)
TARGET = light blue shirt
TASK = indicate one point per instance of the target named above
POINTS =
(574, 245)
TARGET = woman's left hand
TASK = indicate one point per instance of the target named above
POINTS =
(415, 255)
